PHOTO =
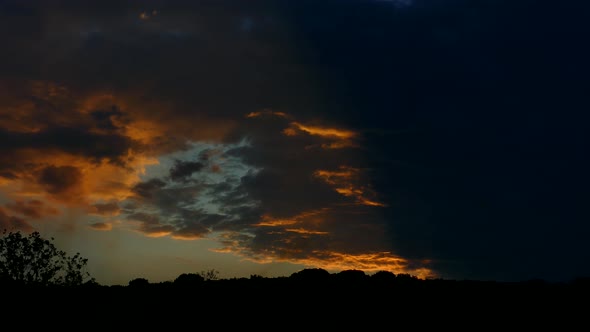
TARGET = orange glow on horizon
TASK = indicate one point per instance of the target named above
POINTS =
(336, 261)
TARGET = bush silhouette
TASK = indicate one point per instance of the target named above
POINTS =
(189, 280)
(33, 260)
(139, 282)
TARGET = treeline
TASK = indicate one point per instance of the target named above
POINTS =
(311, 296)
(317, 277)
(314, 278)
(37, 278)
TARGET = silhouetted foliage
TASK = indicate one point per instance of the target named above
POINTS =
(33, 260)
(405, 277)
(351, 276)
(189, 279)
(383, 276)
(311, 274)
(211, 274)
(139, 282)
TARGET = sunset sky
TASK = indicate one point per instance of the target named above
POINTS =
(439, 138)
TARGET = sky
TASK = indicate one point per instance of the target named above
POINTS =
(439, 138)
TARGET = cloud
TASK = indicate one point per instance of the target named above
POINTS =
(453, 143)
(101, 226)
(190, 209)
(347, 181)
(12, 223)
(148, 189)
(331, 238)
(150, 224)
(60, 180)
(272, 199)
(183, 169)
(33, 209)
(106, 209)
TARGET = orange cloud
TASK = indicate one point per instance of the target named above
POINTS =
(62, 173)
(186, 237)
(347, 181)
(156, 233)
(305, 231)
(298, 240)
(312, 218)
(266, 112)
(325, 131)
(332, 260)
(80, 149)
(336, 138)
(268, 221)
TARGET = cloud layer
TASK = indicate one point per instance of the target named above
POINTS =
(439, 138)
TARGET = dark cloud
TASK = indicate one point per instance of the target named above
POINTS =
(468, 117)
(43, 122)
(183, 169)
(284, 193)
(473, 128)
(8, 175)
(76, 141)
(147, 189)
(150, 224)
(196, 223)
(188, 54)
(110, 208)
(109, 120)
(60, 180)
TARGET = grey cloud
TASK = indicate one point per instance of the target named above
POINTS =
(183, 169)
(187, 209)
(148, 188)
(107, 208)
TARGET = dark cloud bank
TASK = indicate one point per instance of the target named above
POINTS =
(473, 114)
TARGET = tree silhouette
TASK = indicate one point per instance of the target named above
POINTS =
(383, 276)
(311, 275)
(351, 276)
(211, 274)
(139, 282)
(33, 260)
(189, 280)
